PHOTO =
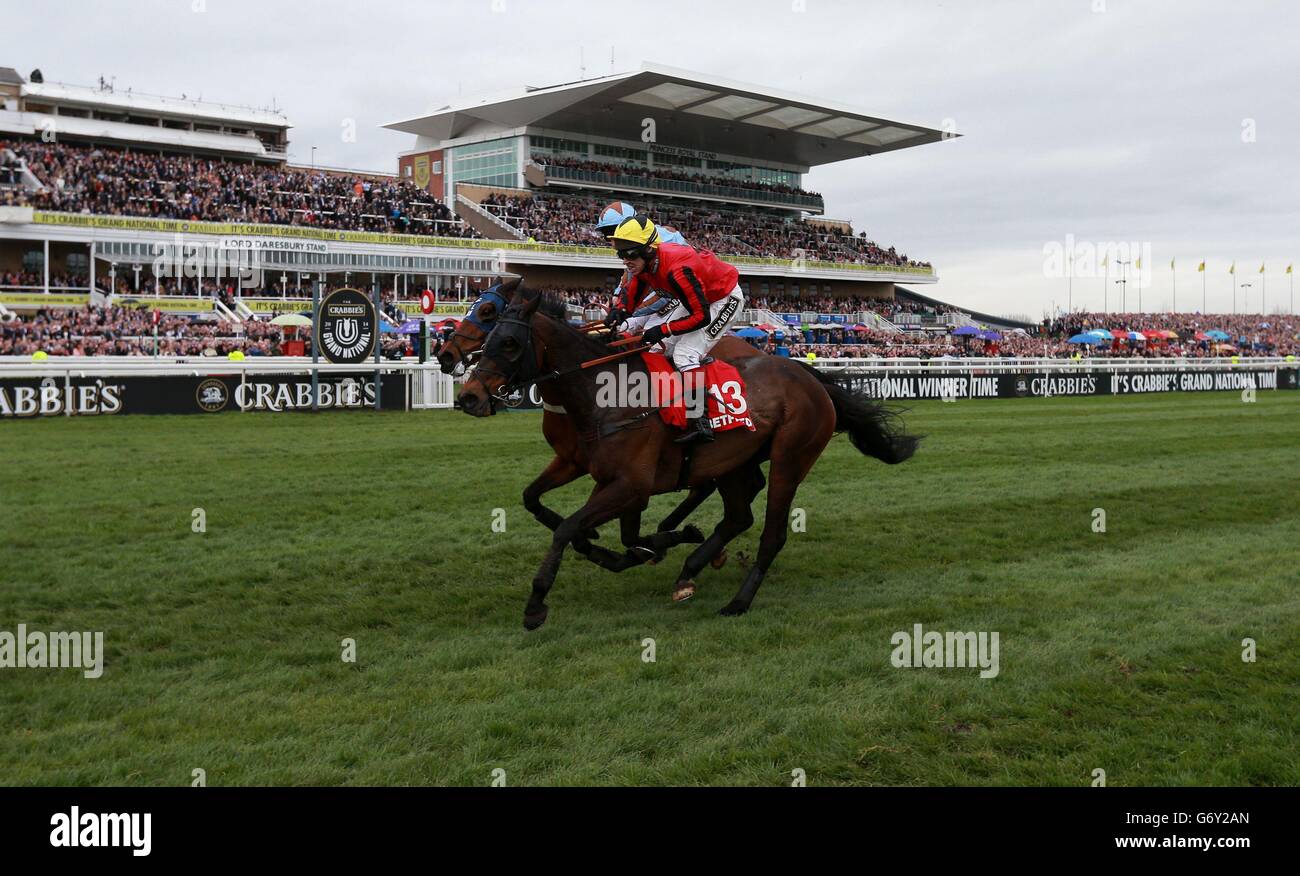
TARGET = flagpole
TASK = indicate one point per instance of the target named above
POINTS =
(1105, 283)
(1173, 278)
(1069, 293)
(1203, 298)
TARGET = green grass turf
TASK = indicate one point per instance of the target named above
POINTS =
(1119, 651)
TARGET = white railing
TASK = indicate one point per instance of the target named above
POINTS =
(1012, 365)
(490, 216)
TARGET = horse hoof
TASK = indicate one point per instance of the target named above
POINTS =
(734, 608)
(691, 534)
(533, 620)
(719, 561)
(684, 591)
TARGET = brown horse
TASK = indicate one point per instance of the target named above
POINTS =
(795, 411)
(570, 461)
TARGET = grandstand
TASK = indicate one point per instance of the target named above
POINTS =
(97, 185)
(723, 162)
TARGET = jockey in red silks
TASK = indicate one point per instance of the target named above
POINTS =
(705, 291)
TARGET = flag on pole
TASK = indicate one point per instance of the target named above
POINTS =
(1171, 264)
(1288, 269)
(1261, 268)
(1105, 260)
(1139, 265)
(1201, 269)
(1233, 269)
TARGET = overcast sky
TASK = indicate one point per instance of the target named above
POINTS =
(1173, 126)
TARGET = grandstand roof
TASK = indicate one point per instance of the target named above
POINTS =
(130, 101)
(691, 110)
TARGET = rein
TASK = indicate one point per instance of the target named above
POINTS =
(528, 376)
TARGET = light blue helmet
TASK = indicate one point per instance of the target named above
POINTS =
(614, 215)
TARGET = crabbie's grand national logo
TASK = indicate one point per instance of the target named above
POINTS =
(347, 326)
(212, 395)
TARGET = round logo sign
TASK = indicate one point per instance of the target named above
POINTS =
(427, 301)
(348, 327)
(212, 395)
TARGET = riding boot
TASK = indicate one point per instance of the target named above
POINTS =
(697, 429)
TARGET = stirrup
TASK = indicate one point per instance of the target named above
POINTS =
(698, 430)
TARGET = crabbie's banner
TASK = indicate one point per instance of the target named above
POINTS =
(882, 385)
(109, 396)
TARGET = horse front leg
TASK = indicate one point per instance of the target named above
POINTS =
(605, 503)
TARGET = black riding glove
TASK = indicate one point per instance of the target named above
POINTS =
(616, 317)
(653, 335)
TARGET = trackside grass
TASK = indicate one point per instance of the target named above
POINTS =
(1119, 650)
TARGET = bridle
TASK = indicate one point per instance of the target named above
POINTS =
(527, 372)
(472, 317)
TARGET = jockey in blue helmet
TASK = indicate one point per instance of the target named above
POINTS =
(615, 214)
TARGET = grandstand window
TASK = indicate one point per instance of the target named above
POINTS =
(77, 262)
(621, 153)
(494, 162)
(33, 261)
(678, 160)
(559, 145)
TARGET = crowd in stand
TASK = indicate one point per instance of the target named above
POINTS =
(29, 280)
(667, 173)
(1249, 334)
(130, 331)
(11, 167)
(126, 182)
(569, 220)
(120, 331)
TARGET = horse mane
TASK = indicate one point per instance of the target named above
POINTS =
(554, 305)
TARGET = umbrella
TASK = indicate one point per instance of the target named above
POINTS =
(1201, 336)
(861, 328)
(766, 327)
(1152, 336)
(990, 335)
(1217, 335)
(1086, 339)
(967, 330)
(751, 333)
(291, 319)
(1103, 334)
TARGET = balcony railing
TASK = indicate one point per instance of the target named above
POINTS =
(685, 187)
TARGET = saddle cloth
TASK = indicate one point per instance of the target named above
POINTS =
(724, 388)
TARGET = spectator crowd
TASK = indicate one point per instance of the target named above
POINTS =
(124, 182)
(570, 220)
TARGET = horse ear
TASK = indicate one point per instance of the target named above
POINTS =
(508, 287)
(531, 298)
(487, 310)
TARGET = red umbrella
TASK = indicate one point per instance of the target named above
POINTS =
(1201, 336)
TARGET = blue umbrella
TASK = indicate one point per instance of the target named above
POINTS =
(1085, 339)
(1103, 334)
(967, 330)
(990, 335)
(749, 332)
(1218, 335)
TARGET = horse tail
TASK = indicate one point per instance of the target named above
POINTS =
(876, 430)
